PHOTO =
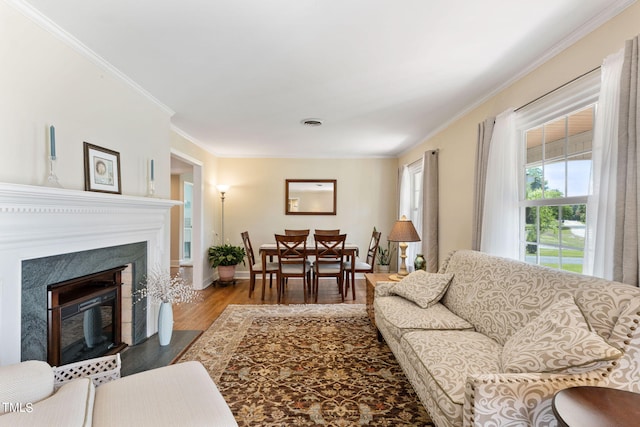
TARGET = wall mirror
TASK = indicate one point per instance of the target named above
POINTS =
(310, 197)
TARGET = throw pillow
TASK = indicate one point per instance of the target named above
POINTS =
(559, 338)
(425, 289)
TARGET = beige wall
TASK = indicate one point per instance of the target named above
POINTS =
(457, 142)
(366, 192)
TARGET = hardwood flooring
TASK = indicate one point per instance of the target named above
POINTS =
(216, 298)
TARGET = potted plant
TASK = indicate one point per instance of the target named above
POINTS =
(225, 258)
(384, 257)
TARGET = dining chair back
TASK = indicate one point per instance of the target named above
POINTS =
(327, 232)
(329, 262)
(366, 266)
(292, 262)
(255, 266)
(290, 232)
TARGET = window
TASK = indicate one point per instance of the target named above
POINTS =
(188, 220)
(415, 174)
(411, 205)
(557, 170)
(556, 141)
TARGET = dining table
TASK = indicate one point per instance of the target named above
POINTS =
(270, 250)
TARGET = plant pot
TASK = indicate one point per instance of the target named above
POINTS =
(165, 323)
(226, 272)
(383, 268)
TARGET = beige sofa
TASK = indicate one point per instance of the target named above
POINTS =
(175, 395)
(497, 341)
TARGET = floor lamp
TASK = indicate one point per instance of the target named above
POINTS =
(403, 231)
(222, 188)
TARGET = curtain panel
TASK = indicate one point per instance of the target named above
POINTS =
(430, 208)
(601, 207)
(626, 264)
(500, 217)
(485, 131)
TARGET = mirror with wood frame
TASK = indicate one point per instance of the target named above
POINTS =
(310, 197)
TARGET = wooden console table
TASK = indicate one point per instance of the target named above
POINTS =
(596, 407)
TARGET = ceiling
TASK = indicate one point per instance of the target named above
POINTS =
(381, 75)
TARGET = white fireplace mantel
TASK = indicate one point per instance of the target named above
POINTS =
(38, 222)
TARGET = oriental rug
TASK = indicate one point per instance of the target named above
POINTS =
(306, 365)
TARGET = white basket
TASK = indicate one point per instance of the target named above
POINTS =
(101, 370)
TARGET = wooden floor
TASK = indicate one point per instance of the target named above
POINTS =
(216, 298)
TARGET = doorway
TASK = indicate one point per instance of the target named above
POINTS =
(187, 254)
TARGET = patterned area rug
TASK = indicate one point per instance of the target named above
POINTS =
(306, 365)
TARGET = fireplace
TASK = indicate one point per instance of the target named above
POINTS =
(84, 317)
(52, 235)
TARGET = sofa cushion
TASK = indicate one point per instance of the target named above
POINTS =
(176, 395)
(70, 406)
(425, 289)
(558, 339)
(401, 315)
(444, 359)
(25, 382)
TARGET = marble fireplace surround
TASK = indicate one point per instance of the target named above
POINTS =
(38, 222)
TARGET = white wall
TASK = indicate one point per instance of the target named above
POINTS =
(43, 81)
(457, 141)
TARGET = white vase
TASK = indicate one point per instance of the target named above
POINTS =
(165, 323)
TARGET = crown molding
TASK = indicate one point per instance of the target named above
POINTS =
(605, 15)
(50, 26)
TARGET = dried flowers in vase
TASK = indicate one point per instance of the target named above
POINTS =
(162, 287)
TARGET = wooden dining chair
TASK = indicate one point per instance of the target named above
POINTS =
(362, 266)
(292, 262)
(327, 232)
(255, 266)
(302, 232)
(329, 253)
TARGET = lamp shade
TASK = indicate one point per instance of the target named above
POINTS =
(403, 231)
(222, 188)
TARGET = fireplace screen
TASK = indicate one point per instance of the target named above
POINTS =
(87, 328)
(84, 318)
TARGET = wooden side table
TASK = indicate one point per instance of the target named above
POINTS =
(596, 407)
(372, 279)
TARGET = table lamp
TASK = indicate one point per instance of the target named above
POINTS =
(403, 231)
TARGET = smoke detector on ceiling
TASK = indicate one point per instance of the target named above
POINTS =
(311, 122)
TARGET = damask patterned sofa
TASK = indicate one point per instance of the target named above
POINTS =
(500, 337)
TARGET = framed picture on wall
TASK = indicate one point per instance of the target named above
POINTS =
(101, 169)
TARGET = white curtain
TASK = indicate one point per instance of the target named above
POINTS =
(405, 209)
(500, 229)
(601, 209)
